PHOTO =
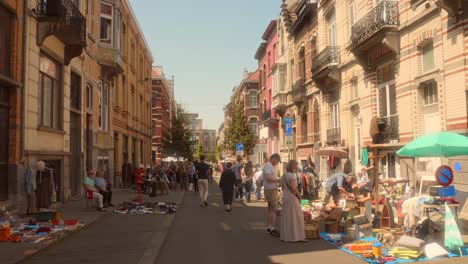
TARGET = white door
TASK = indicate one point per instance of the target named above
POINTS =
(431, 123)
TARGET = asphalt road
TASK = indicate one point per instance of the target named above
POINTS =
(211, 236)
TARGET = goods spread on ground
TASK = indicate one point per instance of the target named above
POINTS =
(34, 228)
(141, 208)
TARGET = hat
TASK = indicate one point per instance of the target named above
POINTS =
(276, 156)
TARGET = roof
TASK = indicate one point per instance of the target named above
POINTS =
(261, 51)
(269, 30)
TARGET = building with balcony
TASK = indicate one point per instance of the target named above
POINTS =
(161, 114)
(266, 56)
(12, 82)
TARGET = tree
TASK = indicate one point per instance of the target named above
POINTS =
(179, 141)
(199, 150)
(239, 131)
(219, 148)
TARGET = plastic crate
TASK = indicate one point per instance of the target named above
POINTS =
(448, 191)
(305, 202)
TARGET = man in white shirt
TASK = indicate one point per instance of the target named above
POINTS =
(270, 185)
(258, 183)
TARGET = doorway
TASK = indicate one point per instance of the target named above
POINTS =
(4, 141)
(75, 152)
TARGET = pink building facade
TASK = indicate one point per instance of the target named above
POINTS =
(266, 55)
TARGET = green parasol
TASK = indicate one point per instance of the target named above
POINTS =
(453, 239)
(441, 144)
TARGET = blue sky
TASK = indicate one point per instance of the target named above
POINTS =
(205, 44)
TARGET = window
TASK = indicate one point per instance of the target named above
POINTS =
(124, 89)
(104, 107)
(282, 78)
(5, 36)
(252, 99)
(263, 76)
(253, 125)
(132, 102)
(386, 90)
(353, 84)
(90, 17)
(352, 13)
(334, 115)
(132, 53)
(302, 67)
(269, 61)
(50, 93)
(428, 57)
(89, 97)
(304, 126)
(292, 73)
(75, 91)
(153, 128)
(106, 23)
(430, 93)
(331, 21)
(125, 148)
(123, 40)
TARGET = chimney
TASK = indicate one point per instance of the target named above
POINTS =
(246, 73)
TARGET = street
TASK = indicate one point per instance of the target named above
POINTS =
(196, 235)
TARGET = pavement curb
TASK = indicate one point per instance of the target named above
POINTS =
(158, 239)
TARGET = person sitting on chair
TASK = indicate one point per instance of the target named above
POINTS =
(104, 189)
(92, 192)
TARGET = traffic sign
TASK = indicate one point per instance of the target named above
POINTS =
(289, 141)
(239, 147)
(458, 166)
(444, 175)
(288, 129)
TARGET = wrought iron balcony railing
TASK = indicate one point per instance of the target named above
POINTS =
(330, 56)
(389, 127)
(64, 20)
(299, 91)
(266, 115)
(383, 15)
(334, 135)
(280, 100)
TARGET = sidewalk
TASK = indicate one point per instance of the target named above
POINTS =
(18, 252)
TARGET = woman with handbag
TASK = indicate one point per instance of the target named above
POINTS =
(247, 179)
(292, 220)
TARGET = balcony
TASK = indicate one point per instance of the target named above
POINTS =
(62, 19)
(334, 135)
(111, 60)
(377, 30)
(324, 67)
(299, 92)
(269, 117)
(280, 102)
(389, 130)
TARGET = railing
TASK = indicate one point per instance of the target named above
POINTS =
(334, 135)
(266, 115)
(384, 14)
(328, 57)
(389, 126)
(298, 90)
(67, 13)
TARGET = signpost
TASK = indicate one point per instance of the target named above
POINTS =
(444, 175)
(240, 149)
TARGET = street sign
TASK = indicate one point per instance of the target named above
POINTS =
(288, 119)
(288, 127)
(240, 153)
(458, 166)
(239, 147)
(289, 141)
(444, 175)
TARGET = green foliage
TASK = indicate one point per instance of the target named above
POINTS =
(212, 158)
(179, 140)
(199, 150)
(218, 151)
(239, 131)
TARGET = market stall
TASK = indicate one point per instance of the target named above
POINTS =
(392, 223)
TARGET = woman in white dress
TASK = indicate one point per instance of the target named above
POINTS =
(292, 219)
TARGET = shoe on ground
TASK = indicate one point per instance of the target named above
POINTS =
(202, 205)
(101, 209)
(205, 203)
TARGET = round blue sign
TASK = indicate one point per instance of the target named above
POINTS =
(444, 175)
(458, 166)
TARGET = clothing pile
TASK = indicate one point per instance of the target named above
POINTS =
(131, 207)
(34, 229)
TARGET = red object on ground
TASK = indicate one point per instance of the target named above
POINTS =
(5, 234)
(89, 194)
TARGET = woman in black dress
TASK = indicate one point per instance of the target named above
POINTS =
(226, 183)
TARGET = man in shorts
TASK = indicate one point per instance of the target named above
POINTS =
(270, 185)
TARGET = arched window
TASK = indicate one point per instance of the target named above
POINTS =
(304, 125)
(252, 99)
(253, 123)
(316, 123)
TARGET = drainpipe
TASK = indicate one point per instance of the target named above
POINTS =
(24, 78)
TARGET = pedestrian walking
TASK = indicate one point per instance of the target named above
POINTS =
(203, 171)
(247, 179)
(238, 172)
(270, 185)
(190, 168)
(182, 173)
(227, 183)
(258, 183)
(292, 219)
